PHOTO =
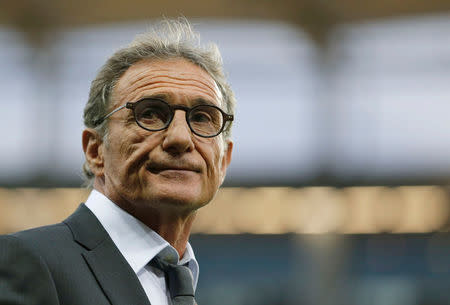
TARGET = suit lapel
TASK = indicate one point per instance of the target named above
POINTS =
(115, 276)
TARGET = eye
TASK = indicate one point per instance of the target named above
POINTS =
(153, 115)
(201, 117)
(206, 120)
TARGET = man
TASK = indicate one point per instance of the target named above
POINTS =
(157, 147)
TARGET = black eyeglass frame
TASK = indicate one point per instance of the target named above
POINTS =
(132, 106)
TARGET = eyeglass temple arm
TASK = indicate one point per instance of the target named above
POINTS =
(99, 121)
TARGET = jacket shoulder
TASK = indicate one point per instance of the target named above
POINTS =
(50, 232)
(19, 264)
(47, 237)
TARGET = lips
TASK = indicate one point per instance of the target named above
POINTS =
(156, 168)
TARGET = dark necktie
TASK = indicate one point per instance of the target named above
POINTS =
(179, 281)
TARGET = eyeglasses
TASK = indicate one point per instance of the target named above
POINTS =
(152, 114)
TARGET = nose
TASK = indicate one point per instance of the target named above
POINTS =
(178, 136)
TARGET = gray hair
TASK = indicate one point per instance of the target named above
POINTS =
(169, 39)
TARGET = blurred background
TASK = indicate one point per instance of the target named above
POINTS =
(338, 190)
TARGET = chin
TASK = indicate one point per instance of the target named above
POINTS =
(181, 196)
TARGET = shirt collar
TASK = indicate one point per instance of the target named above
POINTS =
(137, 242)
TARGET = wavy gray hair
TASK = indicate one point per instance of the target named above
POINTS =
(169, 39)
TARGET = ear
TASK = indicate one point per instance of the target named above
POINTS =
(226, 159)
(93, 150)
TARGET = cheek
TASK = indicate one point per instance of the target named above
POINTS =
(212, 153)
(219, 153)
(126, 152)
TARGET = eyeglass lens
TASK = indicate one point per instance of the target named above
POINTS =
(155, 115)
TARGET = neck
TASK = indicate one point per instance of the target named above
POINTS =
(173, 227)
(171, 221)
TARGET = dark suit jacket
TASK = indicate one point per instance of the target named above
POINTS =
(71, 263)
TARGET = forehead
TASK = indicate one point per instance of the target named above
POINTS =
(179, 79)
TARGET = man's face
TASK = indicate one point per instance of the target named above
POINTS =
(171, 168)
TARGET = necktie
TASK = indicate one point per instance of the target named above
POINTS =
(179, 281)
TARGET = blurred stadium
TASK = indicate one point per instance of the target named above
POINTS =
(338, 189)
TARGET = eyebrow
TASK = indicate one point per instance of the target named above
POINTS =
(166, 97)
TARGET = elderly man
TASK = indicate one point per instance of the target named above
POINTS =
(157, 146)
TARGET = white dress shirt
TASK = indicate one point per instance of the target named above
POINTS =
(139, 245)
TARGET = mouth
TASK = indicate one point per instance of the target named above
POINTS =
(158, 168)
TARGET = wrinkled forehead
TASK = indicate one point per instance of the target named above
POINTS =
(166, 76)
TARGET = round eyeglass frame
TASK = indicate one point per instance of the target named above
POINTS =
(132, 106)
